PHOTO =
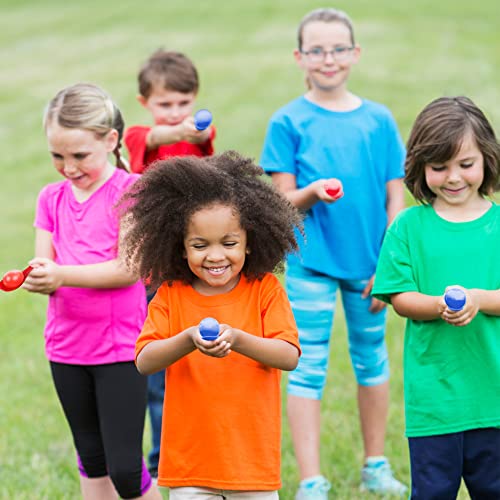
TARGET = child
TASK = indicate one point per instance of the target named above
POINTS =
(452, 359)
(213, 231)
(168, 85)
(331, 133)
(96, 306)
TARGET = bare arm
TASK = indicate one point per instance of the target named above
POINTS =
(275, 353)
(159, 354)
(303, 198)
(488, 301)
(395, 202)
(47, 276)
(418, 306)
(395, 199)
(160, 135)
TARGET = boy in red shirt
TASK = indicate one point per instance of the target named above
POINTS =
(168, 86)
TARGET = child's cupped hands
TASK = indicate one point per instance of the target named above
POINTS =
(218, 348)
(466, 314)
(45, 277)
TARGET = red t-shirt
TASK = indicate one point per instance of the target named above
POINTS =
(141, 158)
(221, 423)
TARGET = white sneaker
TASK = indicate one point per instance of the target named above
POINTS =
(313, 489)
(377, 477)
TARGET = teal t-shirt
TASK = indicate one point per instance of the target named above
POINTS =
(451, 374)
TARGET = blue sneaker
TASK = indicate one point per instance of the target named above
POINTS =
(313, 488)
(377, 477)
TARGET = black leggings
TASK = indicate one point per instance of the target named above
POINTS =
(105, 407)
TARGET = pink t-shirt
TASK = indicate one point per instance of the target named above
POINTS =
(87, 326)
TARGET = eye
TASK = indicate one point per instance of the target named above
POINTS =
(199, 246)
(56, 156)
(80, 156)
(316, 51)
(341, 50)
(467, 165)
(438, 168)
(230, 244)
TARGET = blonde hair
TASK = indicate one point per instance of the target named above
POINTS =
(88, 107)
(324, 15)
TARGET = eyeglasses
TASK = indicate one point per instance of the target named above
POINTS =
(318, 54)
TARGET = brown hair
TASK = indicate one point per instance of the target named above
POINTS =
(157, 211)
(87, 107)
(437, 136)
(169, 70)
(325, 15)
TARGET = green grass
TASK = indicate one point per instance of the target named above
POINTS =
(412, 53)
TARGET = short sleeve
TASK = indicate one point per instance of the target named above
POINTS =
(135, 140)
(394, 272)
(157, 324)
(44, 218)
(280, 146)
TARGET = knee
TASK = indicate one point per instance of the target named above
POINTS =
(307, 382)
(370, 363)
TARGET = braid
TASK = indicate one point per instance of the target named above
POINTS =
(121, 161)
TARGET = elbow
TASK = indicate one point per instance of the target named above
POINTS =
(291, 363)
(142, 366)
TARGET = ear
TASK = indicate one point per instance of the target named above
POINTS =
(248, 251)
(111, 140)
(356, 54)
(142, 100)
(298, 56)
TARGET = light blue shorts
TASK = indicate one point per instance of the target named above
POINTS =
(313, 299)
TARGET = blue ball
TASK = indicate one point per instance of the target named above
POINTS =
(202, 119)
(455, 299)
(209, 328)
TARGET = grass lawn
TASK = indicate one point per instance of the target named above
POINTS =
(412, 53)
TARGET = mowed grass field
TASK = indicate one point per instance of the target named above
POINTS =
(412, 53)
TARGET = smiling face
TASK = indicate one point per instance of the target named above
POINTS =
(457, 181)
(331, 72)
(215, 246)
(168, 107)
(81, 156)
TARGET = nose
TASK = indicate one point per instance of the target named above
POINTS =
(69, 167)
(329, 57)
(215, 253)
(175, 111)
(454, 175)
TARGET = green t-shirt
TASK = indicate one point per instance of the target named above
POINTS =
(451, 374)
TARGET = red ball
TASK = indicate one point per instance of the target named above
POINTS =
(334, 188)
(13, 279)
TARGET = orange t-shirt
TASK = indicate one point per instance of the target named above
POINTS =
(221, 416)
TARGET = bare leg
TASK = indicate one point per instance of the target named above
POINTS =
(373, 403)
(101, 488)
(97, 488)
(152, 494)
(304, 420)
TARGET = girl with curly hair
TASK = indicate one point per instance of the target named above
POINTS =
(209, 232)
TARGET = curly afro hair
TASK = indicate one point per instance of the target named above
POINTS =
(157, 210)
